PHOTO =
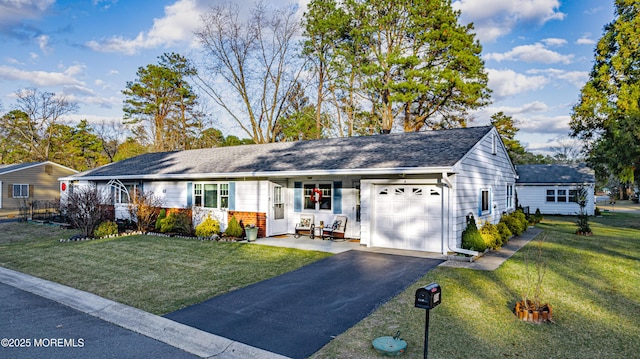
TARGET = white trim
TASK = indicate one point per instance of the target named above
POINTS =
(273, 174)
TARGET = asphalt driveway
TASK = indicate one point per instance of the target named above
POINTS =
(299, 312)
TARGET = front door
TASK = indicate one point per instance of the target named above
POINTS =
(278, 215)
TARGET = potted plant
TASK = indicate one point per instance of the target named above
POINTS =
(530, 307)
(252, 232)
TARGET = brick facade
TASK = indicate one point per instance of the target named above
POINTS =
(257, 218)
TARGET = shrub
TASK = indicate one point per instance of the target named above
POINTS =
(504, 231)
(208, 227)
(176, 222)
(233, 228)
(106, 228)
(82, 207)
(471, 238)
(516, 222)
(143, 209)
(538, 216)
(490, 235)
(162, 215)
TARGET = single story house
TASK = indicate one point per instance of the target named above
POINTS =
(410, 191)
(25, 187)
(553, 188)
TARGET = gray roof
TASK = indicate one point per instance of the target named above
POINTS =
(17, 166)
(442, 148)
(567, 174)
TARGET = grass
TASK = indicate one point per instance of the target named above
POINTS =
(592, 283)
(155, 274)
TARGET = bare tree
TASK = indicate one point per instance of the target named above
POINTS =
(83, 206)
(44, 110)
(253, 64)
(111, 135)
(567, 150)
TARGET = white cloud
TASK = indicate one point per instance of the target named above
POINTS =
(508, 82)
(586, 40)
(546, 125)
(179, 21)
(496, 18)
(554, 41)
(576, 78)
(43, 43)
(13, 12)
(530, 53)
(42, 78)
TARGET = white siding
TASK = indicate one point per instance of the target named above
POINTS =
(481, 169)
(252, 196)
(535, 197)
(173, 194)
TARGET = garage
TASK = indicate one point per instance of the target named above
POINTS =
(408, 217)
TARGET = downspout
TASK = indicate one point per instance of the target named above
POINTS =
(455, 249)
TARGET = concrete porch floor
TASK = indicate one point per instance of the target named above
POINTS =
(339, 246)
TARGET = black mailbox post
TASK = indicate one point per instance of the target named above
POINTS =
(428, 297)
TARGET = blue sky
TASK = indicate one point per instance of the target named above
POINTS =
(538, 53)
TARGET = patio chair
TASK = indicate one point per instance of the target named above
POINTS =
(305, 226)
(337, 229)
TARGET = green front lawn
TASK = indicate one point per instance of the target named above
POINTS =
(155, 274)
(592, 283)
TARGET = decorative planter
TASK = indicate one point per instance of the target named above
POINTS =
(528, 313)
(252, 233)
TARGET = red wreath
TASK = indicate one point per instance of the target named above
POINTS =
(314, 198)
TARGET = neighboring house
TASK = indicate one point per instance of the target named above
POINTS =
(553, 188)
(406, 190)
(29, 186)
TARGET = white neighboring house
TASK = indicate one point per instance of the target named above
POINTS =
(404, 190)
(553, 188)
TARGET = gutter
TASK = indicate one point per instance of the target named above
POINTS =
(455, 249)
(269, 174)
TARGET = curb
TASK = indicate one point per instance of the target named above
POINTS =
(192, 340)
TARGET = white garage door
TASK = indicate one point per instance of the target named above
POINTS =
(408, 217)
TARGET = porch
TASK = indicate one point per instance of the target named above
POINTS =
(305, 243)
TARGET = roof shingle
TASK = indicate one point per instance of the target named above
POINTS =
(441, 148)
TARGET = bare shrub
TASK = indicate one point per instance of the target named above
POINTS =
(144, 209)
(84, 208)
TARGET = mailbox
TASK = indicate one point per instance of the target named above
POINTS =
(428, 297)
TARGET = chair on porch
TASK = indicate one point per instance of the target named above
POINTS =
(305, 226)
(337, 229)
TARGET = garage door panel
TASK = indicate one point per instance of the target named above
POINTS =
(408, 217)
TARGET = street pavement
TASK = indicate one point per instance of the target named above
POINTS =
(35, 327)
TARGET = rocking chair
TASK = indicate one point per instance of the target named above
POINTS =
(337, 229)
(306, 226)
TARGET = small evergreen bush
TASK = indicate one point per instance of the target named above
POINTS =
(471, 237)
(208, 227)
(162, 215)
(176, 222)
(504, 231)
(106, 228)
(516, 222)
(490, 235)
(233, 228)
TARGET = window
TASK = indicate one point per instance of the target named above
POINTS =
(510, 195)
(211, 195)
(311, 191)
(20, 191)
(551, 195)
(573, 195)
(224, 195)
(485, 200)
(126, 194)
(562, 195)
